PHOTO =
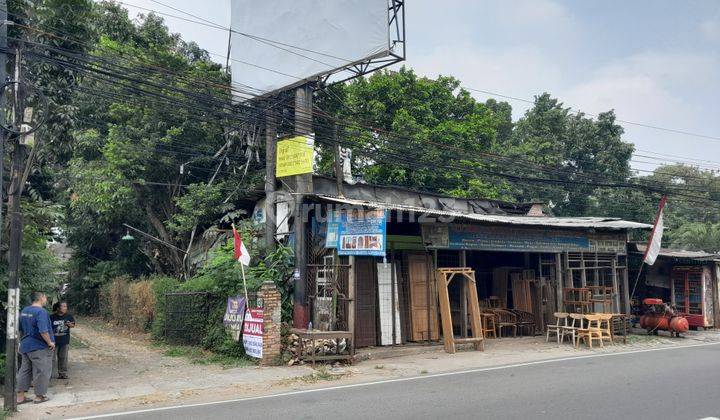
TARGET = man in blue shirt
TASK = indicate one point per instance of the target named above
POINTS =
(37, 345)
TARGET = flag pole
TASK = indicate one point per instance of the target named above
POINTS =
(658, 218)
(242, 270)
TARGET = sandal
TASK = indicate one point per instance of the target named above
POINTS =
(25, 401)
(41, 400)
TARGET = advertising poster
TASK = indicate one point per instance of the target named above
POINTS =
(252, 336)
(294, 156)
(234, 314)
(362, 232)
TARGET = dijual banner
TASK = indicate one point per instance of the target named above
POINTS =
(362, 232)
(234, 314)
(252, 336)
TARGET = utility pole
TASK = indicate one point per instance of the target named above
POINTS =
(303, 186)
(270, 156)
(15, 242)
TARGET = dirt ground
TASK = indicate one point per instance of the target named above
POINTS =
(112, 370)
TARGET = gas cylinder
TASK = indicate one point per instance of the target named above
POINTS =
(679, 324)
(654, 322)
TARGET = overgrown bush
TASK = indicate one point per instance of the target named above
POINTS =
(142, 304)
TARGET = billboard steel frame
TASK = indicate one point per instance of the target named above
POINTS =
(396, 28)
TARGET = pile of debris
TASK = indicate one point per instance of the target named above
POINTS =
(292, 356)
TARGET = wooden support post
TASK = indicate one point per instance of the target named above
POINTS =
(616, 292)
(559, 282)
(626, 286)
(583, 274)
(567, 270)
(351, 296)
(392, 293)
(463, 298)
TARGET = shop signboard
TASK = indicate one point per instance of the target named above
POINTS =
(520, 239)
(234, 313)
(294, 156)
(253, 332)
(362, 232)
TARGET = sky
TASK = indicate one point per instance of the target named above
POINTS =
(655, 62)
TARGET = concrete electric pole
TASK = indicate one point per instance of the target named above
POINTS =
(303, 186)
(16, 233)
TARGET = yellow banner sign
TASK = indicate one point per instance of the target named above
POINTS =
(294, 156)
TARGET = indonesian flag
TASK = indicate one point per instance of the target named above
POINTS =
(241, 253)
(655, 242)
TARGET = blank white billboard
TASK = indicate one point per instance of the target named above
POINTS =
(277, 44)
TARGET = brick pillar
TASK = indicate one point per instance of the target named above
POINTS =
(272, 342)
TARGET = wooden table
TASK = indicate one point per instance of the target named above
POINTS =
(314, 335)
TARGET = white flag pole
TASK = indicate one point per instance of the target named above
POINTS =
(242, 270)
(650, 246)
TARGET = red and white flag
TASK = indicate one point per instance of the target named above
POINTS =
(655, 241)
(241, 253)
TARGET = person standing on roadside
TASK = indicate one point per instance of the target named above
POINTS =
(62, 321)
(37, 344)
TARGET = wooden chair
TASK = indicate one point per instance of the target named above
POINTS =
(505, 319)
(606, 327)
(488, 324)
(525, 320)
(577, 323)
(591, 331)
(561, 321)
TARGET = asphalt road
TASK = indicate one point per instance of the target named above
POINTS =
(679, 383)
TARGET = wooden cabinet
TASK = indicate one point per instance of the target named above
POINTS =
(691, 290)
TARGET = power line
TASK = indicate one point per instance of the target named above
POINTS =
(655, 127)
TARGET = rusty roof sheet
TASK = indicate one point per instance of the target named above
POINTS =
(558, 222)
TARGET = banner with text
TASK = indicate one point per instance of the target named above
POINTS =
(252, 336)
(295, 156)
(522, 239)
(362, 232)
(234, 314)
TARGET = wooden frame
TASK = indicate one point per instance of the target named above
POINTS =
(443, 278)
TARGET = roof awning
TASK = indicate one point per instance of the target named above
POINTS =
(557, 222)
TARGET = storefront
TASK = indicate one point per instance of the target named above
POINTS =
(375, 251)
(688, 280)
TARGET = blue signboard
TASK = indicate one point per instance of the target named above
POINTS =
(360, 232)
(507, 238)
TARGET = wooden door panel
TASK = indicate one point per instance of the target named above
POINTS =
(365, 302)
(418, 272)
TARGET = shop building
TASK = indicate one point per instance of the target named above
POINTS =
(374, 252)
(688, 280)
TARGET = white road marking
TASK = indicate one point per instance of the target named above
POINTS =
(388, 381)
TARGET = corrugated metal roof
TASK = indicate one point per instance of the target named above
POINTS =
(560, 222)
(680, 253)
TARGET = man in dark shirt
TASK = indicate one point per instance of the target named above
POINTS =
(37, 344)
(62, 321)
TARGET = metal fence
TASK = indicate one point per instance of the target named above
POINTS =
(187, 315)
(327, 287)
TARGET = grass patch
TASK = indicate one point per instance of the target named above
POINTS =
(76, 343)
(322, 373)
(200, 356)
